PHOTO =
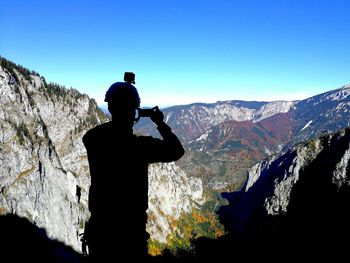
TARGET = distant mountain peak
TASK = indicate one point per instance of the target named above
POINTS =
(338, 94)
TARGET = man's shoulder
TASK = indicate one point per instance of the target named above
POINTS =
(97, 130)
(101, 127)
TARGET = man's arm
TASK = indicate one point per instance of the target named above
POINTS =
(167, 150)
(171, 142)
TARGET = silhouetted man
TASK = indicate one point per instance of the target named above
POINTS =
(118, 160)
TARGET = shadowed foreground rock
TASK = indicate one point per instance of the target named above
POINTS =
(22, 241)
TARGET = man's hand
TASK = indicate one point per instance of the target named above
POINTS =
(157, 116)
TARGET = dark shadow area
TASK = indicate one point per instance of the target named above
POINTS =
(22, 241)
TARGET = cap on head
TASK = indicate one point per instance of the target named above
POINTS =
(123, 93)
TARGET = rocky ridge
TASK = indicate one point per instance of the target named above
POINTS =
(309, 184)
(44, 174)
(191, 121)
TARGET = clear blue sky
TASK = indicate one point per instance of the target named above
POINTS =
(183, 51)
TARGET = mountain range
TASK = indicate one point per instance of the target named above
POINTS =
(224, 139)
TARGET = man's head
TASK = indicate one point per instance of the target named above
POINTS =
(123, 100)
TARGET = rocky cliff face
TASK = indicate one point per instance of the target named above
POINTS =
(44, 174)
(322, 159)
(171, 193)
(299, 199)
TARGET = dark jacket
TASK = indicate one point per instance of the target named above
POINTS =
(118, 162)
